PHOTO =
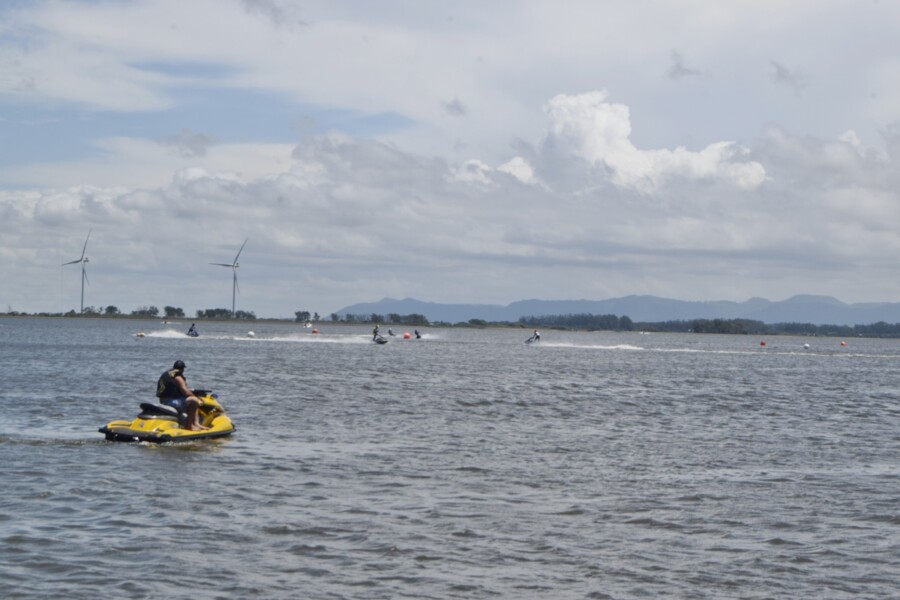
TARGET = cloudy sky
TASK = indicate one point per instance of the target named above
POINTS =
(464, 152)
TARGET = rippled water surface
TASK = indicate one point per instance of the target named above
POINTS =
(462, 465)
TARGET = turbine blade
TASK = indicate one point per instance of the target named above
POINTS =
(85, 243)
(217, 264)
(241, 250)
(72, 262)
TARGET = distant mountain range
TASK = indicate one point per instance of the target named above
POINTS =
(818, 310)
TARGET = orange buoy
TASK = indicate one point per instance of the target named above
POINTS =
(315, 331)
(762, 343)
(843, 343)
(406, 336)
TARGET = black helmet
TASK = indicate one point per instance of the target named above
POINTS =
(179, 365)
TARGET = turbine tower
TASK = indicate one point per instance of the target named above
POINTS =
(83, 260)
(234, 267)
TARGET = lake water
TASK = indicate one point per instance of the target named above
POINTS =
(462, 465)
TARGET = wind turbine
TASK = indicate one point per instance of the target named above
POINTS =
(234, 267)
(83, 260)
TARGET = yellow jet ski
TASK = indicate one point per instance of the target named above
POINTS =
(158, 423)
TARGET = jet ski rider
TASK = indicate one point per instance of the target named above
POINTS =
(172, 390)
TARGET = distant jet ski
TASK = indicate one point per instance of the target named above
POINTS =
(380, 339)
(191, 332)
(158, 423)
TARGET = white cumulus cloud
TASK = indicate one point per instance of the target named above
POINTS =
(597, 131)
(519, 169)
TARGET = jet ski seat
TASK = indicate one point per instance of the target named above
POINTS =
(161, 411)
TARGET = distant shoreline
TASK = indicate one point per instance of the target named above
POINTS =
(556, 323)
(146, 318)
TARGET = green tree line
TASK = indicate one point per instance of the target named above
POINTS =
(391, 318)
(731, 326)
(170, 312)
(580, 321)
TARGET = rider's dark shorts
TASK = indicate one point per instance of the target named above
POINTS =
(179, 404)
